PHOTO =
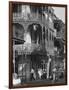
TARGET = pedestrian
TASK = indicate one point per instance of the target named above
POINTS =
(40, 73)
(16, 80)
(54, 73)
(33, 75)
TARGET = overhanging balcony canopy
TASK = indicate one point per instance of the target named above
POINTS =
(18, 41)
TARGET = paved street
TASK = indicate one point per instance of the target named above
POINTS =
(45, 81)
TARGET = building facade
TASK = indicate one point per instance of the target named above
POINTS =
(33, 38)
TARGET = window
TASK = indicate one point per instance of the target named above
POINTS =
(49, 11)
(16, 53)
(44, 33)
(33, 9)
(50, 19)
(16, 33)
(50, 35)
(47, 34)
(46, 9)
(16, 8)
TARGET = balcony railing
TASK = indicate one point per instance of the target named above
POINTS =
(31, 17)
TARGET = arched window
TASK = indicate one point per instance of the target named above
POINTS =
(35, 31)
(18, 31)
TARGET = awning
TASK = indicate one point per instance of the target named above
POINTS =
(18, 41)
